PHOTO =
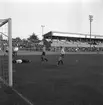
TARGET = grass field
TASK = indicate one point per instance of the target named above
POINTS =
(78, 82)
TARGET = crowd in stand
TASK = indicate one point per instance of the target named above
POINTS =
(70, 46)
(67, 49)
(77, 45)
(76, 49)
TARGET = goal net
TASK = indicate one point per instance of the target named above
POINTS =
(6, 51)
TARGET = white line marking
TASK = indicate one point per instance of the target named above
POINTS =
(24, 98)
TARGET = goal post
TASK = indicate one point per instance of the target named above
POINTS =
(10, 51)
(9, 38)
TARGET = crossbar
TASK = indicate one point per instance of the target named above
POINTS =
(4, 21)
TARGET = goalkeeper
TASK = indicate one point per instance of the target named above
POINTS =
(19, 61)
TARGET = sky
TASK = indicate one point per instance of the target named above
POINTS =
(56, 15)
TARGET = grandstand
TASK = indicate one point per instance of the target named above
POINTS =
(73, 39)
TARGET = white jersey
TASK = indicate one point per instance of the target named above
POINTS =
(62, 51)
(16, 49)
(19, 61)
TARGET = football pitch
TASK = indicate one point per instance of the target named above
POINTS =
(78, 82)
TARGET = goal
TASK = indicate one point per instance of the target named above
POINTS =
(6, 57)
